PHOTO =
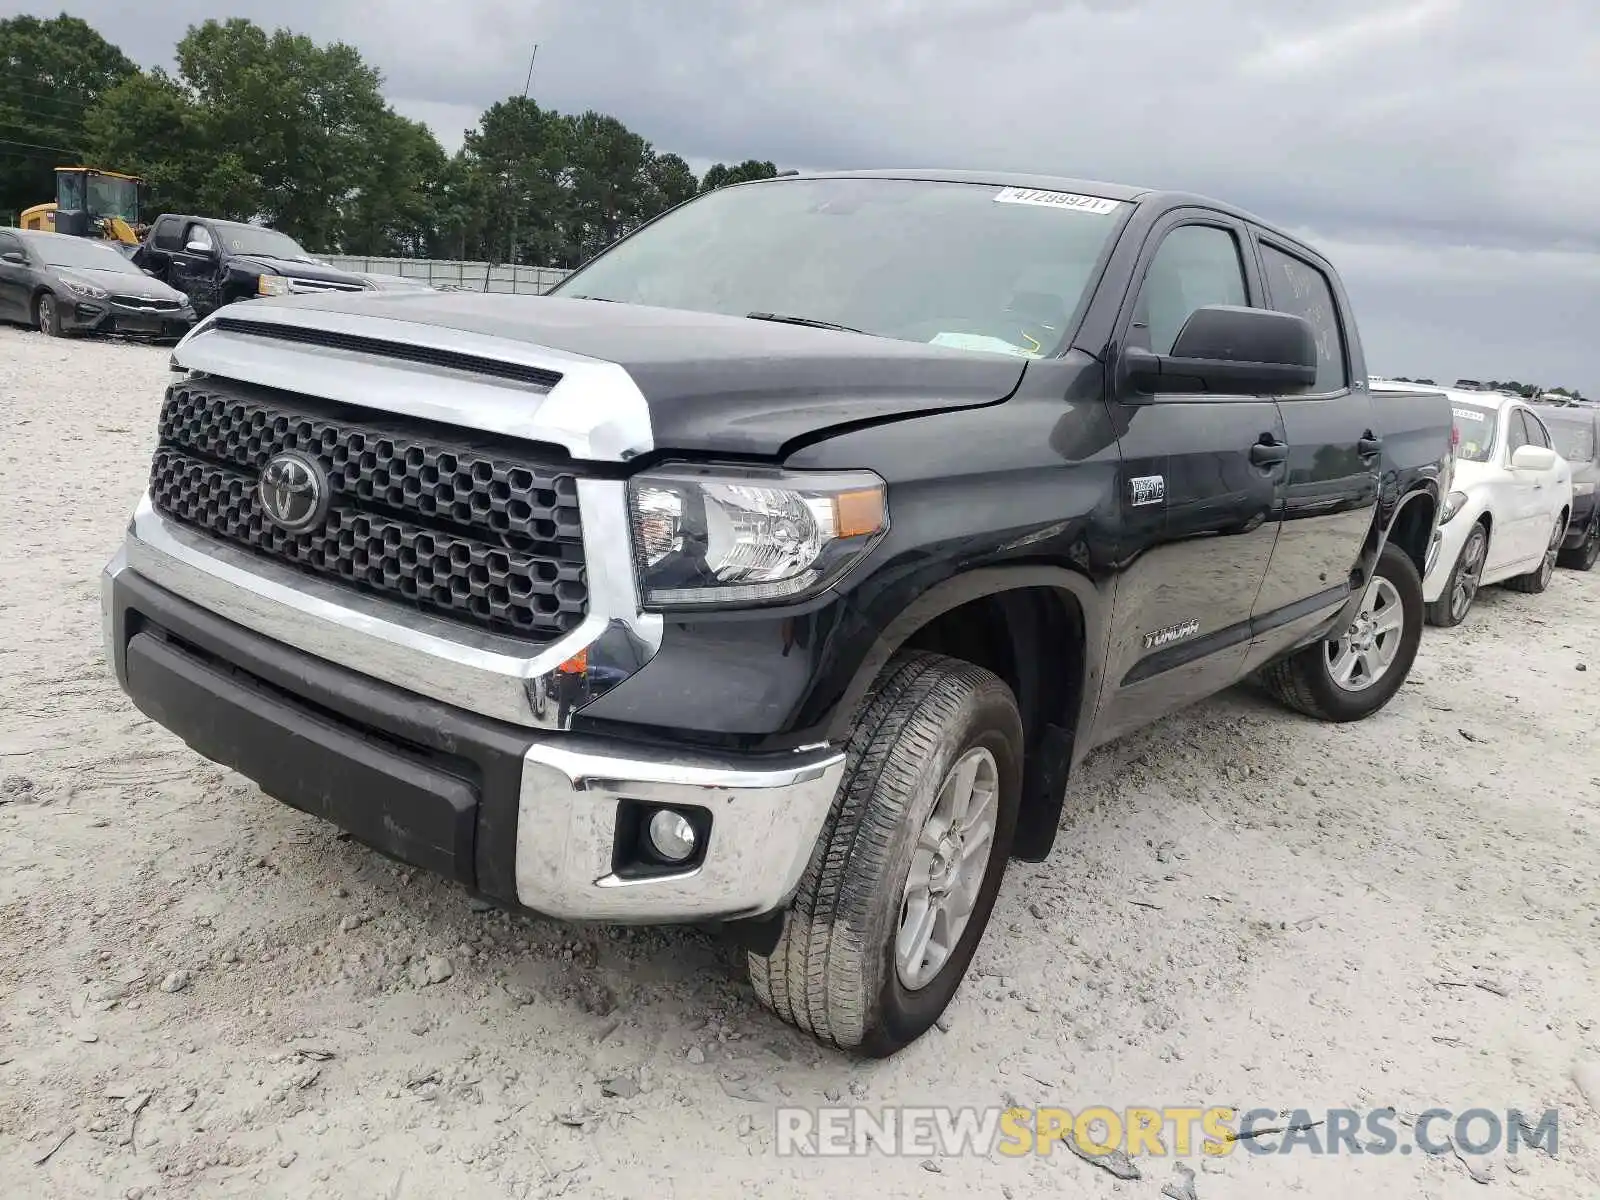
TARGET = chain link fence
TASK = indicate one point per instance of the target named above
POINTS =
(453, 275)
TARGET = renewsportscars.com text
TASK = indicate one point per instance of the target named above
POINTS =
(1157, 1132)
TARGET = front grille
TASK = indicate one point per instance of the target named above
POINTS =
(488, 535)
(141, 302)
(322, 285)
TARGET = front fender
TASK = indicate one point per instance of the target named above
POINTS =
(1415, 531)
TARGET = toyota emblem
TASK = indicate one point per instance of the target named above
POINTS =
(294, 492)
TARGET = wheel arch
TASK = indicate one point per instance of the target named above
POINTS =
(1411, 528)
(1016, 621)
(1417, 509)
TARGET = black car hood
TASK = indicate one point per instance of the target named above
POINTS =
(293, 267)
(121, 283)
(716, 383)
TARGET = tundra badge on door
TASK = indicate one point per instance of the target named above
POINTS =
(1172, 633)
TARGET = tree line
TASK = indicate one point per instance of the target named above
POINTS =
(1528, 391)
(269, 126)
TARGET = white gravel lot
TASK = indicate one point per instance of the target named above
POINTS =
(213, 995)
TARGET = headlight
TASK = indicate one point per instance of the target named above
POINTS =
(272, 285)
(1452, 505)
(87, 290)
(706, 537)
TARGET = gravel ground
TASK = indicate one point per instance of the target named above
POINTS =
(213, 995)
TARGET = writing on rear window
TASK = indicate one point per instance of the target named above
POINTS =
(1070, 201)
(1466, 414)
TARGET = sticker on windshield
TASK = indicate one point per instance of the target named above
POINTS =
(1069, 201)
(1467, 414)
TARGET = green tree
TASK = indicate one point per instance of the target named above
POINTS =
(517, 184)
(396, 207)
(153, 126)
(671, 183)
(52, 71)
(307, 121)
(720, 175)
(612, 187)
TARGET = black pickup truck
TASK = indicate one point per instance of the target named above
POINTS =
(218, 262)
(776, 571)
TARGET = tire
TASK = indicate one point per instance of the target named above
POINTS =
(1461, 589)
(1584, 555)
(1536, 581)
(834, 971)
(47, 315)
(1306, 681)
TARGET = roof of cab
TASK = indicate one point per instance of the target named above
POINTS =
(1128, 193)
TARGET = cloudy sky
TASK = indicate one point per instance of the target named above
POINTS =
(1444, 153)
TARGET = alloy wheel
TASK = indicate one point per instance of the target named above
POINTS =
(1368, 648)
(947, 869)
(1466, 582)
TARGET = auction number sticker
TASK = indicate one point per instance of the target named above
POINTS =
(1069, 201)
(1467, 414)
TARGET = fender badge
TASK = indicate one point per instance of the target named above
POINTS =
(1172, 633)
(1147, 489)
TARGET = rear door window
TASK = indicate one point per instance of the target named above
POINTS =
(1295, 286)
(169, 234)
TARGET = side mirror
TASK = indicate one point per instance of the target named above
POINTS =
(15, 257)
(1532, 458)
(1227, 349)
(200, 248)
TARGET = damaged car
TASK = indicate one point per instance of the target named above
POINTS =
(61, 285)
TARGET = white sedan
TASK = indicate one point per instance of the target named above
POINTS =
(1507, 510)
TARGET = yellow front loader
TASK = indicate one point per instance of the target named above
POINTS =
(91, 203)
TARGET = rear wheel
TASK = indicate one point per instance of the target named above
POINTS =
(1462, 587)
(1536, 581)
(47, 315)
(1583, 556)
(1356, 673)
(904, 876)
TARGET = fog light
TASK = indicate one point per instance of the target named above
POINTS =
(671, 835)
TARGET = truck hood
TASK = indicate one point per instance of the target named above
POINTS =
(296, 268)
(707, 383)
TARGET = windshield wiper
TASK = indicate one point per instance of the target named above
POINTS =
(578, 296)
(808, 322)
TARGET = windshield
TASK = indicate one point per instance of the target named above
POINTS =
(109, 197)
(1575, 443)
(966, 265)
(59, 250)
(1475, 428)
(252, 239)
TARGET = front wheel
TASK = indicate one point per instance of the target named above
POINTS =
(1461, 589)
(1538, 580)
(1355, 673)
(47, 316)
(905, 874)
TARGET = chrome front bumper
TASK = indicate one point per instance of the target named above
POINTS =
(765, 821)
(767, 812)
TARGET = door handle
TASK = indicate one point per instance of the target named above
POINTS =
(1368, 446)
(1269, 454)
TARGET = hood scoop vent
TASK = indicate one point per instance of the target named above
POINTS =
(537, 377)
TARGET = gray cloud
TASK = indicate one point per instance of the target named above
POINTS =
(1444, 152)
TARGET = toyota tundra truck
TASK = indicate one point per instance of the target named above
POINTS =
(775, 572)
